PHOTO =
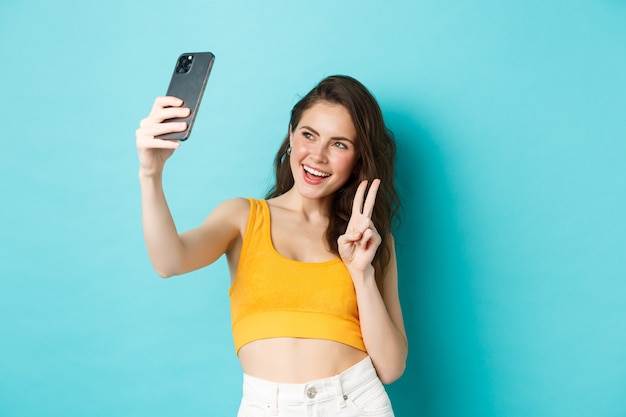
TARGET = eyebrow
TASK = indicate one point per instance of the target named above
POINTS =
(334, 137)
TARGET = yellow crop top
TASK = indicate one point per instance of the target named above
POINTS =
(274, 296)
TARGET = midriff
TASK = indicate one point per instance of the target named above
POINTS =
(295, 360)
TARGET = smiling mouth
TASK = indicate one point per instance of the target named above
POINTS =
(315, 172)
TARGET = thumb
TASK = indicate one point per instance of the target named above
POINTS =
(349, 237)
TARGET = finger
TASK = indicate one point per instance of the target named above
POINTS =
(343, 240)
(368, 208)
(354, 236)
(370, 237)
(162, 129)
(166, 101)
(350, 237)
(170, 113)
(357, 204)
(366, 237)
(153, 143)
(160, 115)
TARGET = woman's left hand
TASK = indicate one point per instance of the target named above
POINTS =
(358, 245)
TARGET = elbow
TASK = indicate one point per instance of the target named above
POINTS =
(391, 375)
(165, 271)
(166, 267)
(392, 367)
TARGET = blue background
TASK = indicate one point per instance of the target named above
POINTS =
(510, 123)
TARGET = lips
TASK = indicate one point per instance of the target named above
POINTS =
(315, 172)
(314, 176)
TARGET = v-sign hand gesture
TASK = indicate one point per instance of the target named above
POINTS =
(358, 245)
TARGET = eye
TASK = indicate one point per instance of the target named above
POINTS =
(341, 145)
(308, 135)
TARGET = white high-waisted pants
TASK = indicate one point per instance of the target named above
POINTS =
(355, 392)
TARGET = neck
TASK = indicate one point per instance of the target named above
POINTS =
(309, 208)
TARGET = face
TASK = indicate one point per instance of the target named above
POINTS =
(323, 151)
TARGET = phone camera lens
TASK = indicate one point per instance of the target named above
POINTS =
(184, 64)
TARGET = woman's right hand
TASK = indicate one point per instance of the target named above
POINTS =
(154, 152)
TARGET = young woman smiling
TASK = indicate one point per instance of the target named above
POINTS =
(316, 316)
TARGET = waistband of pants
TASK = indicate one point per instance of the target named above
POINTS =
(335, 387)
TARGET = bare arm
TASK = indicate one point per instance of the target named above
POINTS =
(171, 253)
(382, 325)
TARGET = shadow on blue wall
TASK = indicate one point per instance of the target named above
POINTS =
(447, 373)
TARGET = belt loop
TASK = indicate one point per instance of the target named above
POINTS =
(274, 405)
(341, 397)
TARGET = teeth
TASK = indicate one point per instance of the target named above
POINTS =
(315, 172)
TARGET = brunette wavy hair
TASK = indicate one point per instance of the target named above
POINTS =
(376, 151)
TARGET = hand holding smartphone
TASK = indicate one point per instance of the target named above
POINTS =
(187, 83)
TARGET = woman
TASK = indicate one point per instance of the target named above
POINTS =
(315, 310)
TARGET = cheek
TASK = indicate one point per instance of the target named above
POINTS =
(298, 148)
(296, 156)
(346, 162)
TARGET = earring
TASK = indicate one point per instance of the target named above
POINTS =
(289, 150)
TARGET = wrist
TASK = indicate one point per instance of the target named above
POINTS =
(363, 276)
(150, 175)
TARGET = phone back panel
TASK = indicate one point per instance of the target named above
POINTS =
(187, 83)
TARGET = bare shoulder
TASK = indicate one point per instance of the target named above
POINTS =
(234, 211)
(221, 231)
(236, 206)
(232, 216)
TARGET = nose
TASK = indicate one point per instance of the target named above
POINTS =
(318, 152)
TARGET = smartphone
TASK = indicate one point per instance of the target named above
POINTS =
(187, 83)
